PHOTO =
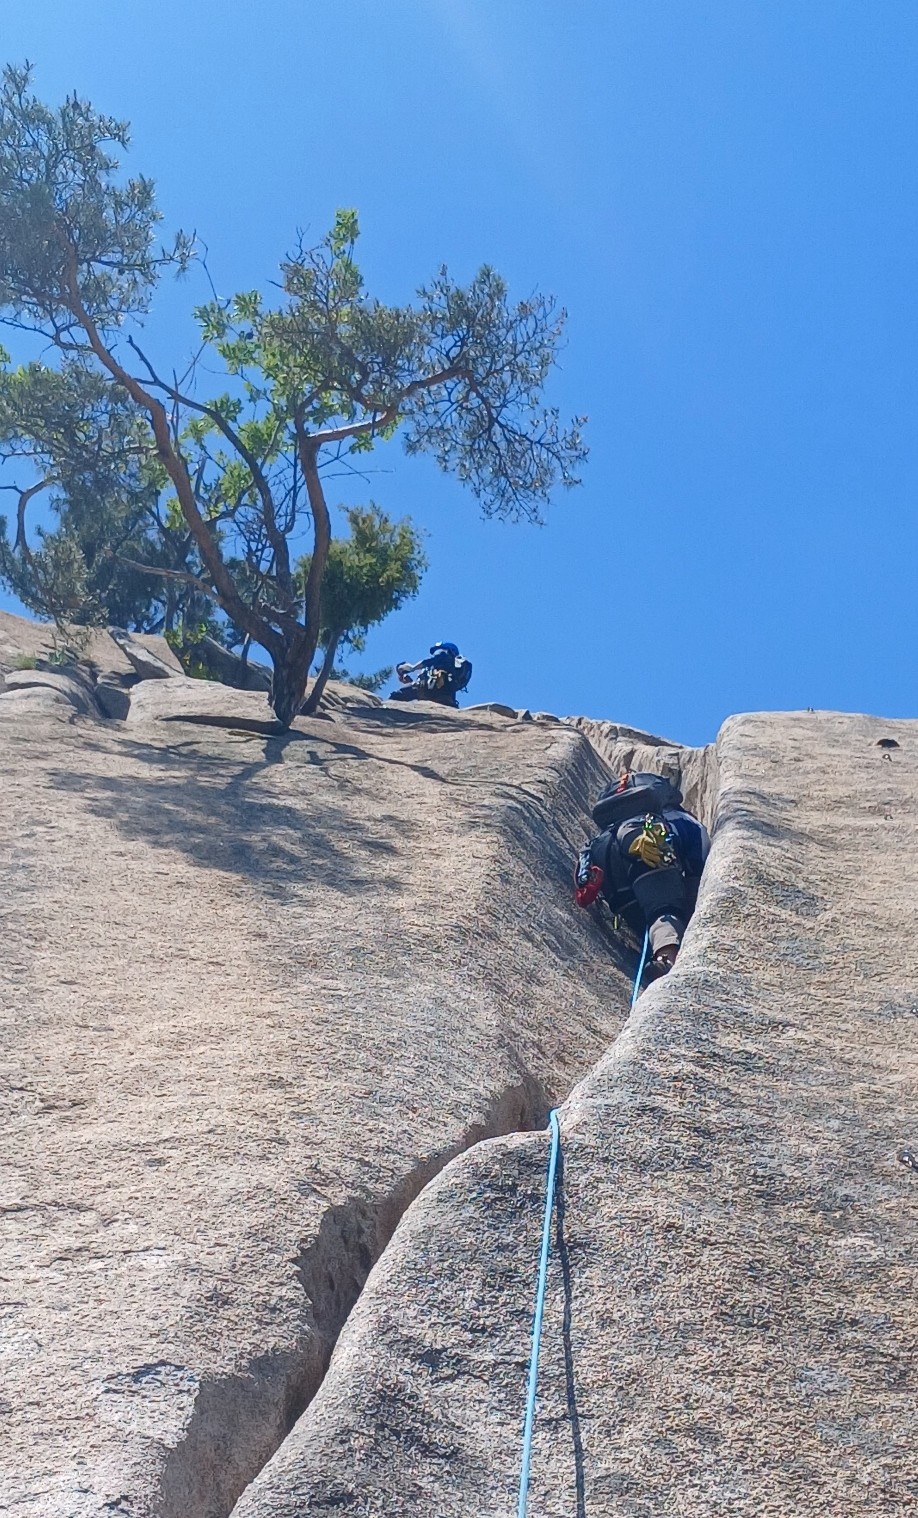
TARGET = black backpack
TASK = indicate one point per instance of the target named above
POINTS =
(633, 796)
(462, 673)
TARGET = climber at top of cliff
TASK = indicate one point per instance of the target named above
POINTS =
(441, 676)
(646, 862)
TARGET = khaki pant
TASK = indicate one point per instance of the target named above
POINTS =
(666, 931)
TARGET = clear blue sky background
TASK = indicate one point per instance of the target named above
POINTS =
(723, 195)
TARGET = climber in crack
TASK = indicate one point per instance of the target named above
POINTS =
(646, 861)
(440, 676)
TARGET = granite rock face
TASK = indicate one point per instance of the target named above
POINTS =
(21, 640)
(257, 990)
(150, 663)
(730, 1325)
(75, 691)
(93, 677)
(281, 1018)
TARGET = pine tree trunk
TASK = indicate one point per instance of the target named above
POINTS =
(311, 704)
(288, 686)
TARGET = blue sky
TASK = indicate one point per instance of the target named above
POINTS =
(722, 194)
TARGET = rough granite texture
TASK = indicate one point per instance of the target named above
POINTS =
(256, 991)
(731, 1320)
(22, 639)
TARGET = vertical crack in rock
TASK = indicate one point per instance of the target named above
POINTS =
(355, 1235)
(240, 1421)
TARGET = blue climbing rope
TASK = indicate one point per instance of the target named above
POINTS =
(539, 1310)
(543, 1272)
(640, 970)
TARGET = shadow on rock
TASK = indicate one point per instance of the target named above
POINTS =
(204, 806)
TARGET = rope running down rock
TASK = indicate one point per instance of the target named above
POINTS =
(554, 1151)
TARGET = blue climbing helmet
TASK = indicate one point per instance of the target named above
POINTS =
(446, 648)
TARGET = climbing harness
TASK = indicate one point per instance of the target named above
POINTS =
(553, 1154)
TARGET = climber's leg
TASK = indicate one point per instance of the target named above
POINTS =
(666, 933)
